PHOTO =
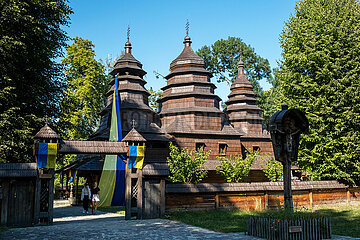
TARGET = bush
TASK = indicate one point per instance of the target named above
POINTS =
(273, 170)
(235, 169)
(186, 166)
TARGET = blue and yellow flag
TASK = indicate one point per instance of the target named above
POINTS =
(136, 156)
(47, 155)
(112, 181)
(72, 175)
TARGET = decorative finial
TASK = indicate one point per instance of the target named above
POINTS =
(187, 40)
(128, 44)
(133, 123)
(128, 33)
(46, 120)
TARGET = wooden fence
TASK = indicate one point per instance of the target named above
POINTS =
(294, 229)
(255, 196)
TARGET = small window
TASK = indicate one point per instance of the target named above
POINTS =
(256, 149)
(200, 146)
(222, 149)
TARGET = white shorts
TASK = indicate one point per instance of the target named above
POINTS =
(95, 197)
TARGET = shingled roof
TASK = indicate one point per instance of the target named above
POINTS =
(47, 132)
(133, 136)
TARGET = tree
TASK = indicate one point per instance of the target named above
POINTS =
(235, 168)
(155, 95)
(319, 75)
(31, 38)
(187, 166)
(85, 90)
(222, 59)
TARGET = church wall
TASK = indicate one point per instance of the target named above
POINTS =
(211, 142)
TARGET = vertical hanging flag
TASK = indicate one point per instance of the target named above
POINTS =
(112, 181)
(47, 155)
(72, 175)
(136, 156)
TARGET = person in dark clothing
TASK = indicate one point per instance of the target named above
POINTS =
(95, 197)
(85, 197)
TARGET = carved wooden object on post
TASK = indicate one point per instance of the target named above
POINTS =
(285, 128)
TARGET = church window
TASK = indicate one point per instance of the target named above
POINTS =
(222, 149)
(200, 145)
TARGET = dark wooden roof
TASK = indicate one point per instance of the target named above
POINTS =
(241, 81)
(91, 147)
(133, 136)
(18, 170)
(187, 56)
(47, 132)
(249, 187)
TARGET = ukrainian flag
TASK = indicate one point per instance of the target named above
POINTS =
(112, 181)
(136, 156)
(47, 155)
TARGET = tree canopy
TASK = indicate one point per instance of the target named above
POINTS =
(31, 37)
(319, 74)
(222, 58)
(86, 86)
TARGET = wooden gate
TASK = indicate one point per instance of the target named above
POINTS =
(21, 200)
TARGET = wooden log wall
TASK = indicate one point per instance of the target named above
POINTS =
(255, 196)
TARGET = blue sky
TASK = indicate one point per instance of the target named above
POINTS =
(158, 29)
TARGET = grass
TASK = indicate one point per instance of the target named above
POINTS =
(115, 209)
(345, 219)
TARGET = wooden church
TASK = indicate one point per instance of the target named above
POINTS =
(189, 116)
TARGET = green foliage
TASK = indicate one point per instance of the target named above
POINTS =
(31, 38)
(85, 90)
(187, 166)
(273, 169)
(155, 95)
(222, 59)
(319, 75)
(236, 169)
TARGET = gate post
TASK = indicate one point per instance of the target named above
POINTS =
(44, 192)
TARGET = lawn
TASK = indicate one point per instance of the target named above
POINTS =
(345, 219)
(115, 209)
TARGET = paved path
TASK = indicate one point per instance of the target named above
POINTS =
(70, 223)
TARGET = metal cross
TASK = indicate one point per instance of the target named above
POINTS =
(133, 123)
(128, 32)
(187, 26)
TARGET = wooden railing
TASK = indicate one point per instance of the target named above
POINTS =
(255, 196)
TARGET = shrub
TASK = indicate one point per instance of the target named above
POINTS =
(235, 169)
(187, 166)
(273, 170)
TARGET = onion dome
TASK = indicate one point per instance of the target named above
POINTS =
(128, 63)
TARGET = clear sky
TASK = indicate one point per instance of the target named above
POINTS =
(158, 29)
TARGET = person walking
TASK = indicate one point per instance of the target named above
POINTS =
(85, 197)
(95, 197)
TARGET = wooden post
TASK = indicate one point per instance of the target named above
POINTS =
(311, 198)
(217, 202)
(348, 195)
(139, 194)
(288, 201)
(266, 204)
(37, 200)
(77, 189)
(51, 197)
(127, 192)
(5, 202)
(162, 197)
